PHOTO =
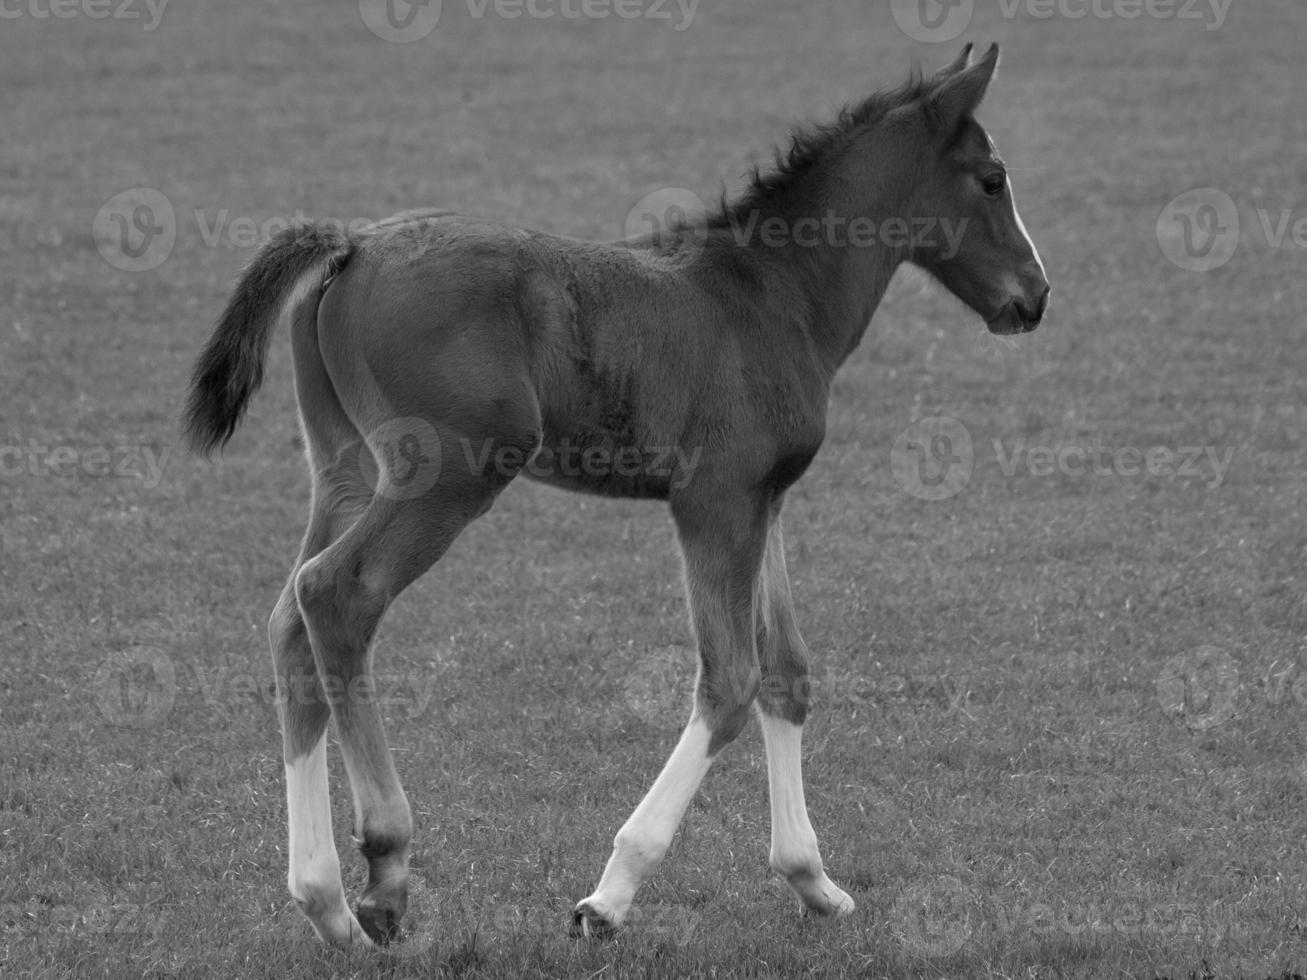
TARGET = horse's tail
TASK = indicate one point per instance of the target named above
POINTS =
(287, 271)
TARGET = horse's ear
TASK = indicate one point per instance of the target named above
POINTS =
(955, 66)
(959, 95)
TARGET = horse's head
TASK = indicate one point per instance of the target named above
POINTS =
(984, 255)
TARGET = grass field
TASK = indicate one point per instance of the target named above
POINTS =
(1060, 714)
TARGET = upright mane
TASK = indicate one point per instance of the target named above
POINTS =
(812, 145)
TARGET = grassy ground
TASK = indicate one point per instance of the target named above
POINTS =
(1061, 713)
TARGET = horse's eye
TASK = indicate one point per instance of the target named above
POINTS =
(993, 186)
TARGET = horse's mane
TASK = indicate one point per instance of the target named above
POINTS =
(810, 145)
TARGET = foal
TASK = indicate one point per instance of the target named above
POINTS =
(582, 364)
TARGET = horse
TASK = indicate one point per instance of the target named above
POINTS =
(437, 356)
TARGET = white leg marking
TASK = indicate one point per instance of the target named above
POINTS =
(646, 835)
(314, 875)
(794, 853)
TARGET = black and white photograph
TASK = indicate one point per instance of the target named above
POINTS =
(653, 489)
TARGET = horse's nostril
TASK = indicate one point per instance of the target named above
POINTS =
(1041, 305)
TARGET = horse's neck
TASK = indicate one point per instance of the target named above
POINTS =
(843, 277)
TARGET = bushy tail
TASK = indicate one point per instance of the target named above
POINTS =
(230, 368)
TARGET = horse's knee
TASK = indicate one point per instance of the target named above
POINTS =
(285, 625)
(786, 690)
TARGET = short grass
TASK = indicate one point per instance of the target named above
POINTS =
(1030, 757)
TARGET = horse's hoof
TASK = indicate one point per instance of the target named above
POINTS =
(589, 923)
(381, 924)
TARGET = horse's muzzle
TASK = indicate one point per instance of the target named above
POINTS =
(1020, 315)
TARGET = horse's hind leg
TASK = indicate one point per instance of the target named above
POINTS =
(340, 492)
(722, 540)
(343, 593)
(313, 876)
(782, 709)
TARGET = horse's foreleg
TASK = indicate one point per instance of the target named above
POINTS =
(722, 549)
(782, 710)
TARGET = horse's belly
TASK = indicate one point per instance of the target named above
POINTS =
(599, 463)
